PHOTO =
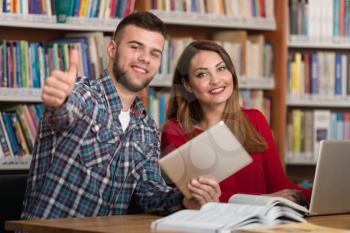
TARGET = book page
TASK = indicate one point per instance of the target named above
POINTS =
(280, 215)
(251, 199)
(211, 218)
(288, 228)
(265, 200)
(236, 210)
(194, 221)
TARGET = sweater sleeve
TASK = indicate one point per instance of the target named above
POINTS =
(276, 179)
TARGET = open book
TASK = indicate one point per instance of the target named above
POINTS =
(290, 228)
(242, 211)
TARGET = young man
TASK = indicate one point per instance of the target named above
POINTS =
(97, 149)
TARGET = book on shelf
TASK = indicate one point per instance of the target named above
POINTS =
(237, 9)
(318, 20)
(321, 128)
(65, 9)
(242, 211)
(97, 45)
(238, 40)
(18, 130)
(306, 128)
(322, 74)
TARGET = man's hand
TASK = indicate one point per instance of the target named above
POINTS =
(203, 190)
(292, 195)
(59, 84)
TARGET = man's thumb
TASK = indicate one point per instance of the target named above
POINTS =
(73, 62)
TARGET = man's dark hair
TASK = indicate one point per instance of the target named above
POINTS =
(145, 20)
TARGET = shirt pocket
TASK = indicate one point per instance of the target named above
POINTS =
(99, 147)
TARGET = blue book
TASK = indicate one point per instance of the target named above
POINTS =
(314, 74)
(9, 80)
(162, 110)
(151, 101)
(93, 12)
(4, 64)
(333, 126)
(18, 63)
(120, 8)
(4, 140)
(84, 52)
(10, 133)
(340, 124)
(35, 71)
(76, 8)
(194, 7)
(347, 18)
(338, 74)
(336, 13)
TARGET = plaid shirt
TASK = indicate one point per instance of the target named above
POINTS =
(85, 165)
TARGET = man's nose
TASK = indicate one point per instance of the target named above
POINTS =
(144, 56)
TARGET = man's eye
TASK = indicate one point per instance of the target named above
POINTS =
(134, 47)
(155, 55)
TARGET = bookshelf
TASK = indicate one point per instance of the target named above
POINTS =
(27, 95)
(215, 20)
(318, 81)
(179, 24)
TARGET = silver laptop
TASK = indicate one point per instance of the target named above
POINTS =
(216, 152)
(331, 189)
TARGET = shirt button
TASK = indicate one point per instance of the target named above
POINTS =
(95, 128)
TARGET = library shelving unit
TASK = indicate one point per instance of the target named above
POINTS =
(318, 49)
(197, 26)
(10, 96)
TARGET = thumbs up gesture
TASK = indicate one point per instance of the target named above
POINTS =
(59, 84)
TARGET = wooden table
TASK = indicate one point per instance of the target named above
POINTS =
(130, 224)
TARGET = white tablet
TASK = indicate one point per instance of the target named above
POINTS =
(216, 153)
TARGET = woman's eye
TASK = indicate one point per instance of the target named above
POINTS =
(222, 68)
(201, 75)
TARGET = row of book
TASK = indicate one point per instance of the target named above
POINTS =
(236, 8)
(327, 20)
(325, 74)
(26, 7)
(157, 103)
(306, 128)
(18, 129)
(74, 8)
(26, 64)
(252, 56)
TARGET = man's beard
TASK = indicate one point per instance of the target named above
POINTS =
(122, 78)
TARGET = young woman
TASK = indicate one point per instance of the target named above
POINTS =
(204, 92)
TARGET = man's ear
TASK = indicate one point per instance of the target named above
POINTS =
(111, 49)
(186, 85)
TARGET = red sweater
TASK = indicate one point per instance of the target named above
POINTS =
(264, 175)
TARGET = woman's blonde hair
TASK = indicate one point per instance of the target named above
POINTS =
(185, 108)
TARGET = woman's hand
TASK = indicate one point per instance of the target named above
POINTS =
(291, 194)
(203, 190)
